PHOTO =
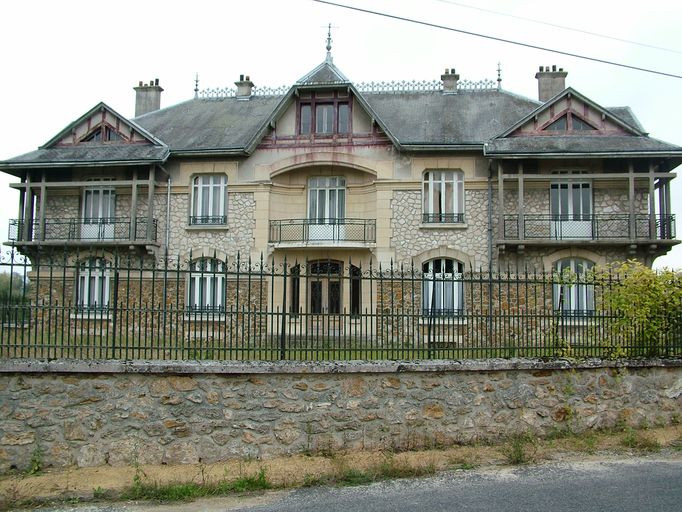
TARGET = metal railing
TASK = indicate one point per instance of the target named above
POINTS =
(449, 218)
(207, 220)
(588, 227)
(83, 230)
(323, 230)
(133, 307)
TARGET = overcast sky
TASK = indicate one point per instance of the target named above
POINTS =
(59, 59)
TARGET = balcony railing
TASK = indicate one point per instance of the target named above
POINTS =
(588, 227)
(207, 220)
(83, 230)
(323, 230)
(443, 218)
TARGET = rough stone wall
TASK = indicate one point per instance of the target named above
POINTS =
(237, 237)
(122, 418)
(410, 239)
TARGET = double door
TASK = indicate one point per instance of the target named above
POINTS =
(571, 210)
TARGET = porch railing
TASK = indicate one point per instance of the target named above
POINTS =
(588, 227)
(82, 230)
(323, 230)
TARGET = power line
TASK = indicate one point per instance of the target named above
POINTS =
(563, 27)
(499, 39)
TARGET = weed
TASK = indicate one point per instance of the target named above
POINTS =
(640, 441)
(353, 477)
(675, 418)
(517, 449)
(100, 494)
(392, 468)
(466, 466)
(36, 464)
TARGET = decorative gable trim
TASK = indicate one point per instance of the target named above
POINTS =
(112, 127)
(571, 104)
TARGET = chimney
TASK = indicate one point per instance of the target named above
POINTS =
(147, 97)
(550, 82)
(244, 87)
(449, 79)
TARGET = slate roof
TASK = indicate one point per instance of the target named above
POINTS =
(325, 73)
(579, 145)
(92, 153)
(210, 124)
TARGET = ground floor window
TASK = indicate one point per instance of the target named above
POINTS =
(442, 287)
(207, 285)
(573, 295)
(93, 284)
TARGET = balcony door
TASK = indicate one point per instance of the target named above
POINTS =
(326, 208)
(324, 292)
(99, 205)
(571, 209)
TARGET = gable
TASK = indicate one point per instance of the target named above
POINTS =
(101, 125)
(568, 115)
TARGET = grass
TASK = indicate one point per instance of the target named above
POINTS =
(640, 441)
(153, 491)
(519, 449)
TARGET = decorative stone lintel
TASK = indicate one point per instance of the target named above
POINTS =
(302, 367)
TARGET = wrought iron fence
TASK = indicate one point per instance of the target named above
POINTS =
(118, 306)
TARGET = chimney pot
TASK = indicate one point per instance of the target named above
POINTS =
(156, 81)
(452, 71)
(447, 71)
(241, 78)
(554, 67)
(140, 83)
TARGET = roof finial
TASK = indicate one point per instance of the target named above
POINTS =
(499, 76)
(196, 86)
(329, 43)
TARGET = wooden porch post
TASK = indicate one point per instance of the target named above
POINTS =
(652, 204)
(521, 206)
(631, 201)
(500, 201)
(133, 208)
(43, 198)
(150, 202)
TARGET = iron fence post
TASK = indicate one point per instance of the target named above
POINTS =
(283, 327)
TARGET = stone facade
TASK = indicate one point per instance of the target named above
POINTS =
(91, 419)
(410, 236)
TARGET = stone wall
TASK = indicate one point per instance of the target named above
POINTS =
(90, 413)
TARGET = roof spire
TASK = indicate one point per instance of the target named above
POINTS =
(196, 86)
(329, 44)
(499, 76)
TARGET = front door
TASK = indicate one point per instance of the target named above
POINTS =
(325, 298)
(326, 208)
(99, 205)
(571, 209)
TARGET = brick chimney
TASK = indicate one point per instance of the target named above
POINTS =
(147, 97)
(244, 87)
(550, 82)
(449, 79)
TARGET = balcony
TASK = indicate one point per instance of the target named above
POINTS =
(84, 231)
(443, 218)
(614, 227)
(323, 232)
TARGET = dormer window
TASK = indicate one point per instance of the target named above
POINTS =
(324, 114)
(569, 122)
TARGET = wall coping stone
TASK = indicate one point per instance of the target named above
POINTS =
(316, 367)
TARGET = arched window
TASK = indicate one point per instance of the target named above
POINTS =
(443, 197)
(574, 296)
(442, 287)
(93, 285)
(207, 285)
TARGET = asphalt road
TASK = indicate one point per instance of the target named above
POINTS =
(640, 485)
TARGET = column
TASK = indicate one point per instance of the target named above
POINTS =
(652, 204)
(631, 201)
(521, 207)
(133, 208)
(150, 203)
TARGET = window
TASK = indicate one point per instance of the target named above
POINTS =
(442, 287)
(209, 200)
(93, 285)
(207, 286)
(103, 133)
(569, 122)
(576, 297)
(99, 206)
(324, 115)
(443, 197)
(571, 210)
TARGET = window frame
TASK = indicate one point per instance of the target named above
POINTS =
(315, 100)
(443, 281)
(207, 280)
(201, 215)
(87, 280)
(430, 196)
(581, 297)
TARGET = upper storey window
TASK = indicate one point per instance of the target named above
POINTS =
(209, 200)
(443, 197)
(324, 113)
(102, 134)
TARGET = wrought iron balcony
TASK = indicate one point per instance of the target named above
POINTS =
(610, 226)
(93, 230)
(323, 231)
(207, 220)
(443, 218)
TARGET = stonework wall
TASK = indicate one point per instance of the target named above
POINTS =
(123, 415)
(410, 237)
(236, 237)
